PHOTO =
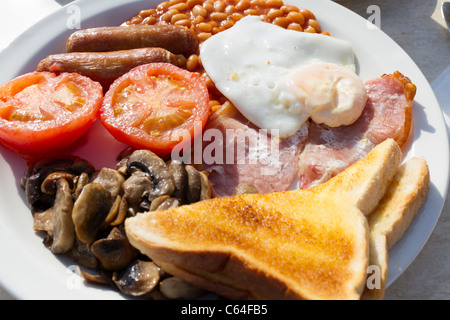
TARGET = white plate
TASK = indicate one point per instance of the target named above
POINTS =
(30, 271)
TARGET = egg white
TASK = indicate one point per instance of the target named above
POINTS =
(251, 64)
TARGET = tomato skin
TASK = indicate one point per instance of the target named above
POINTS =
(160, 88)
(28, 100)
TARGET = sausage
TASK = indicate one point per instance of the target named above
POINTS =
(176, 39)
(104, 67)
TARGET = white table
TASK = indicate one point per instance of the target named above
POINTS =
(417, 26)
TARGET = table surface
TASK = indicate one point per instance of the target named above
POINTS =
(418, 27)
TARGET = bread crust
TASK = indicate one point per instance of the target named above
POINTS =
(394, 215)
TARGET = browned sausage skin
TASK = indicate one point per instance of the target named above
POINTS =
(176, 39)
(105, 67)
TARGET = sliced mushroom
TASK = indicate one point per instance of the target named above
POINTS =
(149, 163)
(63, 232)
(194, 184)
(136, 188)
(36, 174)
(122, 160)
(122, 214)
(166, 204)
(205, 191)
(111, 179)
(180, 177)
(90, 211)
(176, 288)
(57, 221)
(113, 213)
(245, 188)
(139, 279)
(82, 255)
(114, 252)
(49, 184)
(93, 278)
(158, 202)
(83, 179)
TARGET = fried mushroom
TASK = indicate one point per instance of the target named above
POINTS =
(158, 171)
(57, 221)
(90, 210)
(114, 252)
(139, 279)
(36, 174)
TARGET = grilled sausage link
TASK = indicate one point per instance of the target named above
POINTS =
(176, 39)
(105, 67)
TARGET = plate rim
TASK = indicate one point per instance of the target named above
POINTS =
(21, 40)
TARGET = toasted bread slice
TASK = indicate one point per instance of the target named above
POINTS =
(392, 218)
(278, 246)
(303, 244)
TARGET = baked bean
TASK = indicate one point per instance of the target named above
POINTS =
(251, 12)
(296, 17)
(177, 17)
(219, 6)
(236, 16)
(274, 13)
(208, 81)
(184, 22)
(150, 20)
(228, 23)
(197, 20)
(265, 18)
(260, 3)
(307, 14)
(198, 10)
(213, 23)
(218, 16)
(288, 8)
(146, 13)
(163, 6)
(181, 60)
(274, 3)
(209, 7)
(243, 5)
(136, 20)
(295, 26)
(202, 36)
(204, 27)
(167, 17)
(173, 2)
(192, 62)
(213, 103)
(310, 30)
(230, 9)
(281, 21)
(193, 3)
(180, 6)
(315, 25)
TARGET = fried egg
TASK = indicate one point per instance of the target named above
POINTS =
(280, 78)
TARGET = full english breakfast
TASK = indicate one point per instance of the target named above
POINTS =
(300, 214)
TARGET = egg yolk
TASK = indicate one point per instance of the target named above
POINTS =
(332, 95)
